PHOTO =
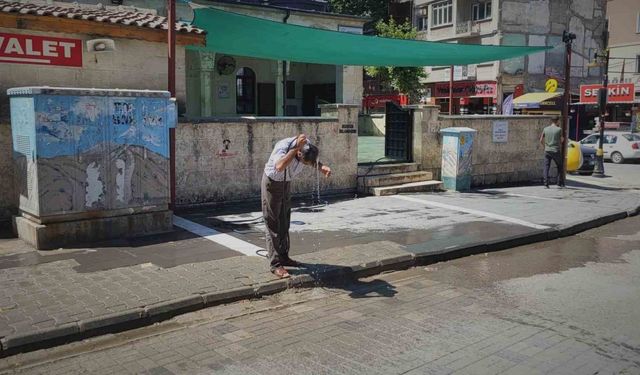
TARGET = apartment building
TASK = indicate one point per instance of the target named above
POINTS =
(481, 88)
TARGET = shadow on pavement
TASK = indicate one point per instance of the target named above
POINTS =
(342, 277)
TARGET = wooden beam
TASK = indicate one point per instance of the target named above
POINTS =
(75, 26)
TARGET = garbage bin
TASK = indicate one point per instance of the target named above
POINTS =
(91, 164)
(457, 146)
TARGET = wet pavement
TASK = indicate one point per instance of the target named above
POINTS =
(46, 292)
(567, 306)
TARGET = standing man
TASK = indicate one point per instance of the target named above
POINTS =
(286, 161)
(551, 138)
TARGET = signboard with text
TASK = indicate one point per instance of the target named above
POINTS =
(500, 131)
(616, 93)
(41, 50)
(474, 89)
(379, 101)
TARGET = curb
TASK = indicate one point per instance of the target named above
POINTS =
(147, 315)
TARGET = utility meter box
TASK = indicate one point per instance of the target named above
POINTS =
(457, 147)
(90, 155)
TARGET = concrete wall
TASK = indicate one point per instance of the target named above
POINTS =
(518, 160)
(134, 65)
(209, 173)
(7, 192)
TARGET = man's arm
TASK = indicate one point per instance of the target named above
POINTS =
(542, 138)
(285, 160)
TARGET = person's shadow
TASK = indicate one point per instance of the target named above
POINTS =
(342, 277)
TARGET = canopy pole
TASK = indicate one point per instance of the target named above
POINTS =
(171, 44)
(451, 92)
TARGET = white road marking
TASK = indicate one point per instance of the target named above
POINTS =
(472, 211)
(213, 235)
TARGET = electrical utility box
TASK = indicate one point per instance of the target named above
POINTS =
(90, 155)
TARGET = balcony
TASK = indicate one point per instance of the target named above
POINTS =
(467, 28)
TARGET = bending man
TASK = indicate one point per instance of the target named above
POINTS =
(286, 161)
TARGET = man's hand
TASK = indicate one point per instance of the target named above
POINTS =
(326, 171)
(301, 141)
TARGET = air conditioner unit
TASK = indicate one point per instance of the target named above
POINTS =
(101, 45)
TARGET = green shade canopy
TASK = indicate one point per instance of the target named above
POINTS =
(241, 35)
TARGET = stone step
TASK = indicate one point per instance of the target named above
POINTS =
(411, 187)
(393, 179)
(386, 169)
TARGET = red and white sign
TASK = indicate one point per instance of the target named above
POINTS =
(471, 89)
(43, 50)
(378, 101)
(616, 93)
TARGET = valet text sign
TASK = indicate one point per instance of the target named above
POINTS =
(42, 50)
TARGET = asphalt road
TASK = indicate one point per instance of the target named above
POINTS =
(568, 306)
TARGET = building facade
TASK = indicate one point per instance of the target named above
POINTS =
(624, 57)
(261, 87)
(481, 88)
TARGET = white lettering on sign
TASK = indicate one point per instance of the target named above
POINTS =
(30, 50)
(35, 49)
(49, 48)
(13, 46)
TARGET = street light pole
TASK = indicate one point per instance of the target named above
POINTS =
(567, 38)
(598, 171)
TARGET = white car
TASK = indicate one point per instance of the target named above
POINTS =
(617, 147)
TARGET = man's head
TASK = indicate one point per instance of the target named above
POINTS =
(555, 120)
(309, 154)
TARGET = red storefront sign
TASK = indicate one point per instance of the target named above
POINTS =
(616, 93)
(477, 89)
(42, 50)
(378, 101)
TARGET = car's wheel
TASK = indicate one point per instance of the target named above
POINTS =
(617, 158)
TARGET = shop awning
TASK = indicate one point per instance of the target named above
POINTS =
(242, 35)
(533, 99)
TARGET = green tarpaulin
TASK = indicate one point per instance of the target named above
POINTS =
(241, 35)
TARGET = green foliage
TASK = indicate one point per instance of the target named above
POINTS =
(407, 80)
(374, 9)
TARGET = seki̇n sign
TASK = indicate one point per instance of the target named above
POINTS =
(43, 50)
(616, 93)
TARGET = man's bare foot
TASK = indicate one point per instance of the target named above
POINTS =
(281, 273)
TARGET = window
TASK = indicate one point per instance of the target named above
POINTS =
(610, 139)
(638, 23)
(592, 139)
(632, 137)
(442, 13)
(638, 64)
(245, 91)
(291, 89)
(481, 11)
(421, 18)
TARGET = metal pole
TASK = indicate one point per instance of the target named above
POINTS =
(171, 40)
(451, 92)
(568, 40)
(598, 171)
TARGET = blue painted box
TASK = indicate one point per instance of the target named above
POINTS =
(457, 147)
(90, 152)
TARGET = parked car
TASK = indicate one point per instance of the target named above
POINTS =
(617, 146)
(580, 159)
